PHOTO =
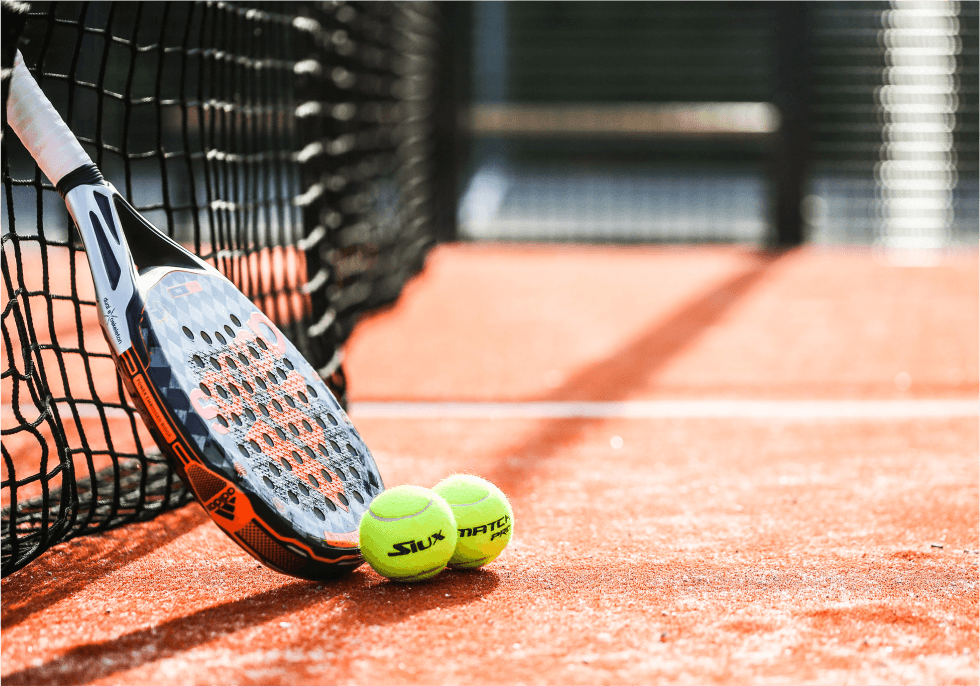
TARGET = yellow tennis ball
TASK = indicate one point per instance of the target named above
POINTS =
(484, 519)
(408, 534)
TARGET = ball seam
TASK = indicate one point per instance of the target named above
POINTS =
(395, 519)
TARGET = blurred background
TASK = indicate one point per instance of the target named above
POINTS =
(761, 122)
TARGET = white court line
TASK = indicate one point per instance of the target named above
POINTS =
(675, 409)
(635, 409)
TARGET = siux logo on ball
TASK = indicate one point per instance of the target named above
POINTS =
(487, 528)
(409, 547)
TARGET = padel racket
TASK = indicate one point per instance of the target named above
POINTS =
(243, 418)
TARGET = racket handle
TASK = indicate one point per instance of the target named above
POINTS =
(40, 128)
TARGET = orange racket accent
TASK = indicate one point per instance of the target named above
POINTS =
(345, 540)
(205, 484)
(198, 397)
(256, 539)
(181, 453)
(259, 318)
(129, 360)
(159, 418)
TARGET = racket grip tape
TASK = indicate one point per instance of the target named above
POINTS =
(40, 128)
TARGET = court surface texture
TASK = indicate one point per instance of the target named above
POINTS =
(726, 466)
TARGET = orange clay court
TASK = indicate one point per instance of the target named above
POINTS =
(726, 466)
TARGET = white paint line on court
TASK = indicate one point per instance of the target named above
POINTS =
(799, 410)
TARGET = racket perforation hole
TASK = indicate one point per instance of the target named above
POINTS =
(230, 331)
(243, 450)
(248, 388)
(261, 383)
(241, 356)
(333, 508)
(294, 429)
(354, 472)
(221, 391)
(221, 339)
(285, 463)
(274, 469)
(198, 361)
(319, 514)
(309, 451)
(275, 404)
(302, 396)
(230, 361)
(289, 365)
(312, 391)
(296, 457)
(254, 352)
(320, 423)
(282, 375)
(248, 413)
(261, 343)
(237, 418)
(205, 389)
(334, 445)
(342, 498)
(323, 449)
(255, 446)
(235, 320)
(281, 433)
(352, 450)
(293, 498)
(316, 484)
(222, 421)
(332, 419)
(307, 425)
(207, 339)
(357, 497)
(234, 389)
(326, 476)
(188, 333)
(268, 439)
(272, 378)
(303, 489)
(215, 364)
(340, 472)
(289, 400)
(264, 409)
(268, 482)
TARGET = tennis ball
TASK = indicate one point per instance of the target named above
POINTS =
(484, 519)
(408, 534)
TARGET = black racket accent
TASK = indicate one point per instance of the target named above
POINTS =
(150, 248)
(112, 268)
(106, 210)
(86, 175)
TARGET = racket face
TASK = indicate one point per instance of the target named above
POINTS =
(254, 409)
(242, 416)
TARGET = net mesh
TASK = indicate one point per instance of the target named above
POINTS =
(289, 144)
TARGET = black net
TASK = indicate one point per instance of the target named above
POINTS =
(290, 144)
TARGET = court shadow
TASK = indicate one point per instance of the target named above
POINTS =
(362, 590)
(92, 661)
(389, 602)
(618, 376)
(44, 582)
